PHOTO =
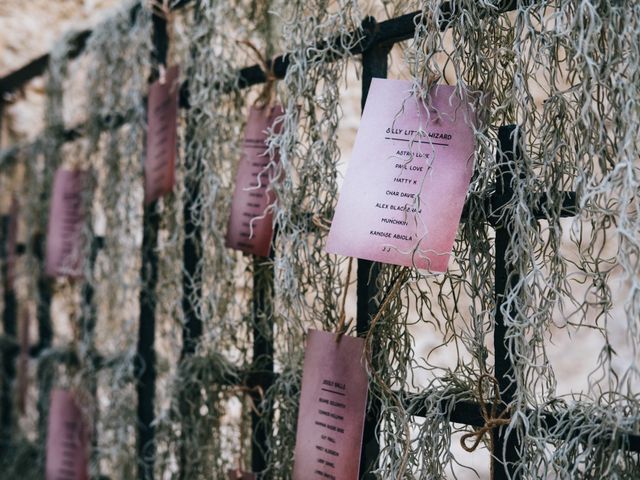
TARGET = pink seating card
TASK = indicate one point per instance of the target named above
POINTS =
(250, 226)
(67, 439)
(23, 360)
(407, 180)
(66, 218)
(238, 474)
(333, 403)
(12, 237)
(162, 136)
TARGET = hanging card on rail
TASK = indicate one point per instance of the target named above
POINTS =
(250, 227)
(66, 217)
(333, 402)
(12, 239)
(239, 474)
(162, 136)
(407, 180)
(23, 360)
(67, 439)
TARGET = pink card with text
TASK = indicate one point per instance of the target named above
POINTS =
(333, 403)
(67, 439)
(66, 218)
(162, 136)
(239, 474)
(407, 180)
(250, 227)
(12, 240)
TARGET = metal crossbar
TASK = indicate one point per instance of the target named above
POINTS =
(375, 42)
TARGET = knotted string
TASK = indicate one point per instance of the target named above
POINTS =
(268, 95)
(490, 416)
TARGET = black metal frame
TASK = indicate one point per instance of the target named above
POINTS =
(375, 43)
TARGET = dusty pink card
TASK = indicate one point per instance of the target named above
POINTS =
(12, 238)
(407, 180)
(66, 219)
(239, 474)
(333, 403)
(250, 226)
(23, 360)
(67, 439)
(162, 136)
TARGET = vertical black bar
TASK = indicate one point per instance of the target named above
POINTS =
(146, 357)
(9, 316)
(88, 321)
(505, 279)
(261, 420)
(192, 250)
(374, 64)
(45, 338)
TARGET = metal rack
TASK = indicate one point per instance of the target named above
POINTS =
(374, 45)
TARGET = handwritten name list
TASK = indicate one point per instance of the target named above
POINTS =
(406, 183)
(250, 226)
(332, 409)
(162, 136)
(67, 439)
(66, 218)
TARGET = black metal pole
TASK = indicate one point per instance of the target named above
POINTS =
(45, 338)
(9, 316)
(88, 320)
(505, 454)
(146, 357)
(192, 250)
(374, 64)
(262, 367)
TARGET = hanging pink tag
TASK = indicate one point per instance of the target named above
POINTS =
(23, 360)
(407, 180)
(162, 136)
(250, 226)
(66, 218)
(67, 439)
(238, 474)
(12, 239)
(333, 402)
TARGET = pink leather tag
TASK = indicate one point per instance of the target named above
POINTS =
(66, 218)
(333, 403)
(12, 239)
(250, 227)
(23, 360)
(67, 439)
(162, 136)
(237, 474)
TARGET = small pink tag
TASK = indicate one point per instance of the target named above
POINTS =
(12, 235)
(379, 215)
(238, 474)
(333, 402)
(23, 360)
(67, 439)
(162, 136)
(66, 218)
(250, 228)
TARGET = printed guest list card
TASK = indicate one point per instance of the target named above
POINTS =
(406, 183)
(250, 228)
(333, 402)
(162, 136)
(67, 439)
(66, 218)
